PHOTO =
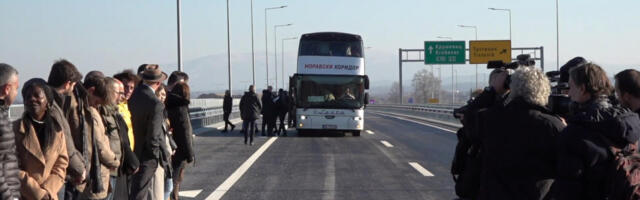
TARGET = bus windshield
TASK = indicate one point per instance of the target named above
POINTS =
(331, 92)
(330, 48)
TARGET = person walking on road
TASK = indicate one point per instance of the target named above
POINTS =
(282, 106)
(10, 186)
(249, 112)
(147, 115)
(266, 103)
(227, 104)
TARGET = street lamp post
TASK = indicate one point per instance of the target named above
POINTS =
(557, 38)
(508, 10)
(266, 41)
(229, 48)
(253, 56)
(283, 77)
(453, 89)
(275, 49)
(179, 38)
(475, 28)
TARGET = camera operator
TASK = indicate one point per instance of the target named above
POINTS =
(628, 89)
(584, 156)
(466, 164)
(519, 141)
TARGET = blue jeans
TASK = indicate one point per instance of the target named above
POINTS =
(112, 182)
(168, 188)
(249, 130)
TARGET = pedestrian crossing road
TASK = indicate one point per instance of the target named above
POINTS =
(396, 159)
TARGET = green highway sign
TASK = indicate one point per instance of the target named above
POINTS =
(444, 52)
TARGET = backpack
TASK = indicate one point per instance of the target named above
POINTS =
(623, 172)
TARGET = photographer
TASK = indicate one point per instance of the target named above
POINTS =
(584, 156)
(518, 144)
(466, 164)
(628, 89)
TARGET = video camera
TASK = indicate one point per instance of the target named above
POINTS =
(488, 96)
(559, 101)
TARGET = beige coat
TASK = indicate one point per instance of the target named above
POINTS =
(107, 157)
(41, 173)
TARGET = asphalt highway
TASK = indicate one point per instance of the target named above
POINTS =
(396, 157)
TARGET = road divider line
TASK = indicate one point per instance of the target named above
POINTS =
(386, 143)
(370, 132)
(420, 169)
(189, 193)
(227, 184)
(414, 121)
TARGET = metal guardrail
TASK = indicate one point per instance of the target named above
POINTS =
(430, 111)
(15, 111)
(201, 117)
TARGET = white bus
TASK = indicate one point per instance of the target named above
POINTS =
(330, 85)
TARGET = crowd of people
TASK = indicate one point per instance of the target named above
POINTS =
(127, 136)
(513, 146)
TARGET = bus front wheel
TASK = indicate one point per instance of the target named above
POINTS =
(356, 133)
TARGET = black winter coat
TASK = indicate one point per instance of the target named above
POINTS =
(519, 155)
(269, 107)
(227, 104)
(9, 181)
(250, 107)
(583, 156)
(178, 110)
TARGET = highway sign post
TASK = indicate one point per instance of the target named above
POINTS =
(483, 51)
(444, 52)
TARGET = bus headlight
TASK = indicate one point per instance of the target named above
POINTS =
(302, 117)
(357, 118)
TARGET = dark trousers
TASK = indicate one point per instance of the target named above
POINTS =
(249, 128)
(281, 127)
(142, 180)
(264, 123)
(271, 125)
(178, 174)
(225, 116)
(70, 192)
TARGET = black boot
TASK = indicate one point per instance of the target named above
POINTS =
(232, 127)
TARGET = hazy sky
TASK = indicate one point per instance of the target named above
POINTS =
(117, 34)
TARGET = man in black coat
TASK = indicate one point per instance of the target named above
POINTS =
(519, 154)
(227, 104)
(584, 155)
(282, 106)
(10, 184)
(267, 103)
(249, 112)
(147, 118)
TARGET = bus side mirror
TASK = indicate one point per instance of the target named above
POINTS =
(366, 98)
(366, 82)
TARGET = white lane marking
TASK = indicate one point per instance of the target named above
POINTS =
(386, 143)
(370, 132)
(226, 185)
(420, 169)
(189, 193)
(330, 179)
(417, 122)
